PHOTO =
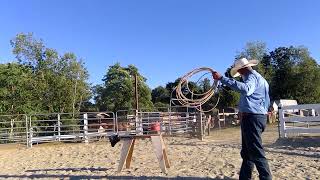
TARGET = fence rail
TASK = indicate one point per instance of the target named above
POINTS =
(91, 126)
(299, 119)
(13, 129)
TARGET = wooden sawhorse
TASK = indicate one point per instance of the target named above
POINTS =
(158, 145)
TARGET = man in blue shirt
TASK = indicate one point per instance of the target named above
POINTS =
(253, 108)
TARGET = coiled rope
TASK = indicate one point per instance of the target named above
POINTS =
(197, 99)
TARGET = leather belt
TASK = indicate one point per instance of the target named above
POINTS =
(246, 114)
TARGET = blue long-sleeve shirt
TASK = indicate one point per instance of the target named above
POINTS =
(254, 92)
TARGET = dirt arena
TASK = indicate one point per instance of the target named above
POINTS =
(217, 157)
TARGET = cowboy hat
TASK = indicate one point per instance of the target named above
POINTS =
(241, 63)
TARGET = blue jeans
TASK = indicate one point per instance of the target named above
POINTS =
(252, 153)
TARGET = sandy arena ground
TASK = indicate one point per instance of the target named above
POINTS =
(217, 157)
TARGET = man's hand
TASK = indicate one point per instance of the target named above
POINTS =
(216, 76)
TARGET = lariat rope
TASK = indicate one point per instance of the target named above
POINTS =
(197, 99)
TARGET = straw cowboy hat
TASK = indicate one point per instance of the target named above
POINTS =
(242, 63)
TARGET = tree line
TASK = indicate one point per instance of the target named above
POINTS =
(40, 80)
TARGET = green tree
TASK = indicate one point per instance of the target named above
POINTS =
(253, 50)
(170, 86)
(58, 82)
(15, 89)
(205, 85)
(118, 90)
(98, 92)
(296, 75)
(160, 95)
(228, 98)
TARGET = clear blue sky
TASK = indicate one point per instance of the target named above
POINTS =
(163, 38)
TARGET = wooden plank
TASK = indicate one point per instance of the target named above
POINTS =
(282, 124)
(158, 148)
(292, 114)
(303, 119)
(137, 136)
(166, 160)
(164, 151)
(302, 106)
(129, 158)
(124, 152)
(302, 130)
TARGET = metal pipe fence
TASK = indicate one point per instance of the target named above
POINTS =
(92, 126)
(13, 129)
(65, 127)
